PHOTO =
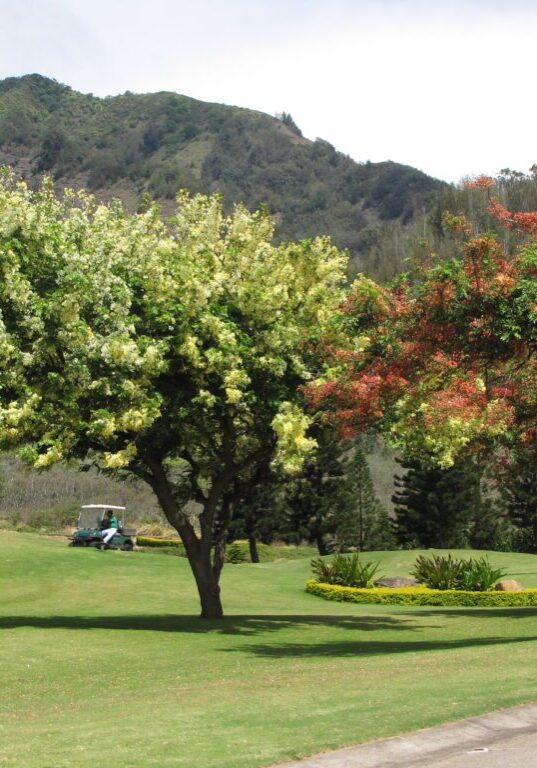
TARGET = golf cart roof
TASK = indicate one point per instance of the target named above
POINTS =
(101, 506)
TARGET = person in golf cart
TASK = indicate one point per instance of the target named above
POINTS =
(109, 526)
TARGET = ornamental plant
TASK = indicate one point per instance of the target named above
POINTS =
(172, 352)
(437, 571)
(446, 572)
(345, 570)
(423, 596)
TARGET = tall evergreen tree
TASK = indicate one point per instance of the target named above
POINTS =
(362, 521)
(435, 507)
(517, 487)
(381, 535)
(315, 498)
(490, 527)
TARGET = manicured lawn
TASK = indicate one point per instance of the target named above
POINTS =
(104, 662)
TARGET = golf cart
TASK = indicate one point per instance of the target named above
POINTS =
(91, 523)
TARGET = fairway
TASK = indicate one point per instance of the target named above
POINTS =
(105, 663)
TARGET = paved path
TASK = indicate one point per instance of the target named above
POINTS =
(504, 739)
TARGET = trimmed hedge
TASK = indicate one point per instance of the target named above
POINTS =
(422, 596)
(151, 541)
(166, 546)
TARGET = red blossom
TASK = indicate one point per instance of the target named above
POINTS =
(480, 182)
(460, 342)
(526, 222)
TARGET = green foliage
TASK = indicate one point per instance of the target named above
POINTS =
(163, 142)
(316, 497)
(168, 352)
(446, 572)
(260, 512)
(361, 521)
(151, 541)
(56, 519)
(236, 553)
(346, 570)
(490, 528)
(438, 571)
(287, 120)
(435, 507)
(423, 596)
(517, 487)
(479, 576)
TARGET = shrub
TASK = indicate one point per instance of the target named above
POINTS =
(162, 546)
(423, 596)
(478, 575)
(236, 553)
(55, 519)
(346, 570)
(155, 529)
(177, 551)
(437, 571)
(151, 541)
(446, 572)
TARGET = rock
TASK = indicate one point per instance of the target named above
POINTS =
(508, 585)
(396, 581)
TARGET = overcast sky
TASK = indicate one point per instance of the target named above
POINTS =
(447, 87)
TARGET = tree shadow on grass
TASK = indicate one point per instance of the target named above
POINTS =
(478, 612)
(359, 644)
(363, 647)
(230, 625)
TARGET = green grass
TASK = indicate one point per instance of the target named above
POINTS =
(104, 661)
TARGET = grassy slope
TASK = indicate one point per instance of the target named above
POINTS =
(107, 662)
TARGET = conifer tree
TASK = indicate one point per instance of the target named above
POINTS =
(490, 527)
(381, 535)
(363, 523)
(315, 498)
(518, 491)
(435, 506)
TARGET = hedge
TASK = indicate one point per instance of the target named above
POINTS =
(421, 596)
(175, 545)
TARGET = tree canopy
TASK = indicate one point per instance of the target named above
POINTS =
(449, 359)
(172, 351)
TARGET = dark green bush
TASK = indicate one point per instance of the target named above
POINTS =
(478, 575)
(446, 572)
(236, 553)
(346, 570)
(437, 571)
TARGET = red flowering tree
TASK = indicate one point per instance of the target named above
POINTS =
(449, 362)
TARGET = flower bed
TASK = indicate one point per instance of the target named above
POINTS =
(422, 596)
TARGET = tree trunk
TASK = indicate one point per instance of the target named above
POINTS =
(254, 554)
(206, 574)
(534, 528)
(208, 586)
(321, 546)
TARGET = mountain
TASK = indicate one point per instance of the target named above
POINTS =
(128, 145)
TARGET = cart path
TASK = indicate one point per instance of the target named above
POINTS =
(503, 739)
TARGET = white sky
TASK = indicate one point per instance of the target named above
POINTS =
(445, 86)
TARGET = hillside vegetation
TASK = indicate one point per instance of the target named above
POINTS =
(157, 143)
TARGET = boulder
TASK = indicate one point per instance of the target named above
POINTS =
(508, 585)
(396, 581)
